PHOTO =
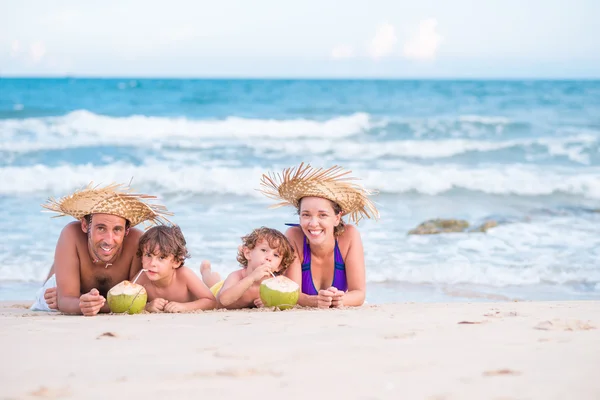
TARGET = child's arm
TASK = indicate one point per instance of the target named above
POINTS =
(204, 298)
(236, 285)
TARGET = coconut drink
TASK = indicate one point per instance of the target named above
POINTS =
(279, 292)
(127, 297)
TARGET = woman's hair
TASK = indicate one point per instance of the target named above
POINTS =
(337, 209)
(275, 239)
(169, 239)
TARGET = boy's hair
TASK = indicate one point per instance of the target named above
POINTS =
(275, 239)
(169, 239)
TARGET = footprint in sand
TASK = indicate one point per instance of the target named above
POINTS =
(501, 372)
(51, 393)
(564, 325)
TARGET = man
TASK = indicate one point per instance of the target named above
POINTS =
(98, 251)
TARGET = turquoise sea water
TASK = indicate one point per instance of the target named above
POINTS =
(525, 153)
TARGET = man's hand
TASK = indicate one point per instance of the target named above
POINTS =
(174, 307)
(325, 298)
(51, 297)
(156, 305)
(91, 303)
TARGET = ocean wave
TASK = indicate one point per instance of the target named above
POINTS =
(85, 127)
(394, 177)
(555, 251)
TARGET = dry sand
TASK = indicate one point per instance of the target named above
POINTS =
(504, 350)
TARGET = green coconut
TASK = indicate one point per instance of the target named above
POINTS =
(280, 292)
(127, 297)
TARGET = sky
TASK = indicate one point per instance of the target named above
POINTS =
(309, 38)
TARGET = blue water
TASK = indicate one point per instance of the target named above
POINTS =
(525, 153)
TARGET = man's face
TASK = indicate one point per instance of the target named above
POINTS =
(105, 236)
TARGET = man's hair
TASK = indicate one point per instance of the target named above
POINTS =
(169, 239)
(275, 239)
(88, 219)
(337, 209)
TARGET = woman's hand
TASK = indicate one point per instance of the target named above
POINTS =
(325, 298)
(338, 297)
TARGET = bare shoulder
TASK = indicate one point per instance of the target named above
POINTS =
(133, 238)
(186, 273)
(350, 237)
(236, 275)
(71, 233)
(350, 234)
(295, 234)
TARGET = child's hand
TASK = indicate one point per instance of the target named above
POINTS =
(338, 297)
(258, 303)
(174, 307)
(156, 305)
(261, 271)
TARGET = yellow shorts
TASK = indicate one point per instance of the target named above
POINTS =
(216, 287)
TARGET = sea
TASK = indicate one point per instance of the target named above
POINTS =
(523, 153)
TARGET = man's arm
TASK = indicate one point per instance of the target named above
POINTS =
(66, 267)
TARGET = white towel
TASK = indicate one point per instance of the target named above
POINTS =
(40, 302)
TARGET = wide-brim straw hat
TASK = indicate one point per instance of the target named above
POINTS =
(333, 184)
(114, 199)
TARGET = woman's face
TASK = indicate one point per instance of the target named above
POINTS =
(318, 219)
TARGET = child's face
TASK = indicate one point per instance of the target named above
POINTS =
(158, 266)
(262, 253)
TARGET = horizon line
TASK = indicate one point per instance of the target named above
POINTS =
(306, 78)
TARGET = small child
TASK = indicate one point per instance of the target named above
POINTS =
(263, 252)
(171, 287)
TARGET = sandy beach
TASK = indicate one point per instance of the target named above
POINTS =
(504, 350)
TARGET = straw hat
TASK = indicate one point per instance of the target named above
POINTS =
(333, 184)
(115, 199)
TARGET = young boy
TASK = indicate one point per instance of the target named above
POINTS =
(264, 252)
(171, 287)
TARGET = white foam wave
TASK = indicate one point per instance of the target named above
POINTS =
(390, 177)
(85, 127)
(572, 147)
(554, 251)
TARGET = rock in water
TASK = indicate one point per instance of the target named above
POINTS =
(127, 297)
(280, 292)
(436, 226)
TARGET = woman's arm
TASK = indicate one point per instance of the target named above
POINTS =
(355, 268)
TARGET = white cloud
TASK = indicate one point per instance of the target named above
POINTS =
(424, 44)
(342, 51)
(383, 43)
(37, 51)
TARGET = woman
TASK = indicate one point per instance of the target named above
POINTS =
(330, 264)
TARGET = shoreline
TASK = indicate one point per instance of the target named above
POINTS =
(480, 350)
